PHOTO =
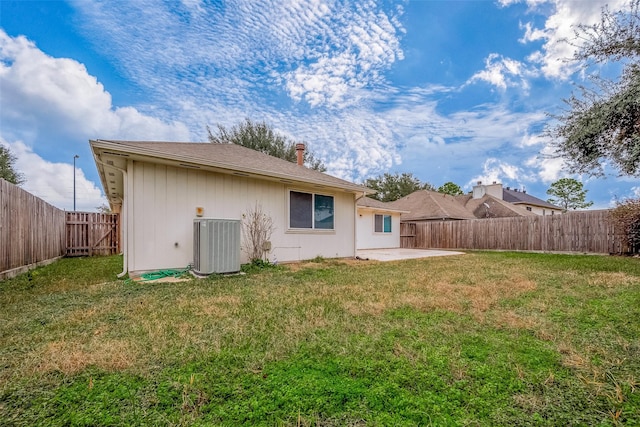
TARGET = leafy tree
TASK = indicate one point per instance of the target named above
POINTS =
(104, 208)
(261, 137)
(393, 187)
(602, 125)
(569, 194)
(450, 188)
(7, 167)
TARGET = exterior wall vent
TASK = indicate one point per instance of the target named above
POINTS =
(216, 246)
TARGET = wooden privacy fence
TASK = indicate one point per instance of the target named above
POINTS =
(91, 233)
(589, 232)
(31, 230)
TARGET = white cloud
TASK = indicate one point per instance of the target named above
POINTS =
(555, 56)
(616, 199)
(54, 104)
(366, 42)
(495, 170)
(45, 94)
(53, 182)
(529, 140)
(531, 34)
(318, 52)
(531, 3)
(503, 72)
(548, 166)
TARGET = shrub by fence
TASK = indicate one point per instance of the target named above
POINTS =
(32, 231)
(588, 232)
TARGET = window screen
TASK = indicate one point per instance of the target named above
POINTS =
(382, 223)
(300, 210)
(314, 211)
(323, 212)
(387, 223)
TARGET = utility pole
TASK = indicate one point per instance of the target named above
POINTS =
(74, 181)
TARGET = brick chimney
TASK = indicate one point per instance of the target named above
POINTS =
(300, 153)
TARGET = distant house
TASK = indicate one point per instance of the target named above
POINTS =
(529, 202)
(378, 224)
(485, 201)
(425, 205)
(161, 187)
(515, 197)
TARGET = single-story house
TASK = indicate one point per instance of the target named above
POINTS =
(160, 188)
(425, 205)
(378, 224)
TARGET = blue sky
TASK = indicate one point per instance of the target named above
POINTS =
(446, 90)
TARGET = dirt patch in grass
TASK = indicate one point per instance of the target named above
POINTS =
(423, 293)
(612, 279)
(73, 356)
(214, 306)
(511, 319)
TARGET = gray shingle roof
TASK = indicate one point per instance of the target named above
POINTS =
(496, 208)
(517, 197)
(430, 205)
(368, 202)
(229, 157)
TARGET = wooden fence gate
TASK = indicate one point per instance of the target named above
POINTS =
(91, 233)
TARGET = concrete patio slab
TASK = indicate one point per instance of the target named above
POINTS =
(396, 254)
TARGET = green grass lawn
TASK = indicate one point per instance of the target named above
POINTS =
(479, 339)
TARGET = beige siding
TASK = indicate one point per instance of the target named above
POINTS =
(367, 238)
(539, 210)
(162, 203)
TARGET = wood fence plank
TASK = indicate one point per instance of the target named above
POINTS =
(92, 233)
(31, 230)
(587, 232)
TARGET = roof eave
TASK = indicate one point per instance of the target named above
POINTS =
(256, 173)
(373, 208)
(540, 205)
(437, 218)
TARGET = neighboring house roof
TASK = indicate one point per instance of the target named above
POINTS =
(429, 205)
(368, 202)
(521, 197)
(224, 158)
(491, 207)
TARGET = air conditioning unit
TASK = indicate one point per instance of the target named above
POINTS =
(216, 246)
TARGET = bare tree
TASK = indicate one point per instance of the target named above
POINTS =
(257, 228)
(626, 218)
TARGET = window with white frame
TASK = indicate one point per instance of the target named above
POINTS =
(382, 223)
(311, 211)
